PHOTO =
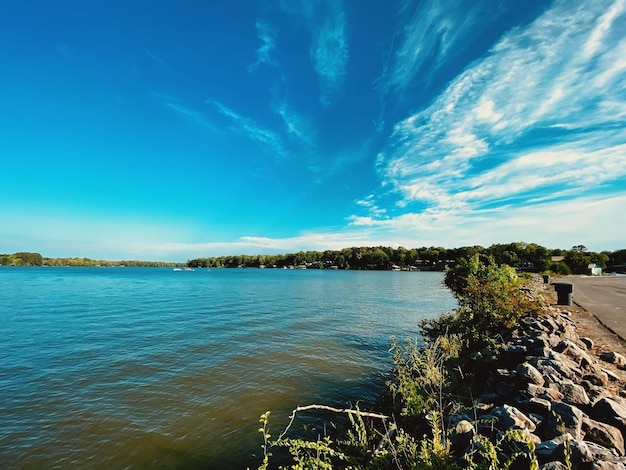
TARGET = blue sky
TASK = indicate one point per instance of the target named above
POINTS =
(173, 130)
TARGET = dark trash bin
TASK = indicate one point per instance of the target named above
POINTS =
(546, 278)
(564, 292)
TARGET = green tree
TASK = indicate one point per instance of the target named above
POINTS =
(600, 259)
(510, 257)
(560, 268)
(376, 259)
(490, 298)
(618, 257)
(25, 258)
(539, 256)
(578, 260)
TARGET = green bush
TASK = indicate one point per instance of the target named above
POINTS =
(560, 268)
(422, 376)
(491, 298)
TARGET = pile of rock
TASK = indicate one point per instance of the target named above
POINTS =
(565, 401)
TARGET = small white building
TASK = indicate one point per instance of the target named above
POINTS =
(594, 270)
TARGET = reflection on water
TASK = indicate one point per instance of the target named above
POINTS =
(150, 368)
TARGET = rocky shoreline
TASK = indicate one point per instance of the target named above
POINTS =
(552, 390)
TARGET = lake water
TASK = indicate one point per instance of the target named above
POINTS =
(152, 368)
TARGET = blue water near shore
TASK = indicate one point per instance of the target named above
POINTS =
(152, 368)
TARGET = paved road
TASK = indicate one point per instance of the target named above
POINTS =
(605, 297)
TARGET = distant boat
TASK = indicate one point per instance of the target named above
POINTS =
(188, 269)
(176, 269)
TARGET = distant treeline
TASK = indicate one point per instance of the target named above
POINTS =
(523, 256)
(35, 259)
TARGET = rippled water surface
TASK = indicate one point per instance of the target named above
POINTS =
(152, 368)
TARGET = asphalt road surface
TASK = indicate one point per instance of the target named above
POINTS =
(605, 297)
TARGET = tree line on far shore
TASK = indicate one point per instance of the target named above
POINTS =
(35, 259)
(523, 256)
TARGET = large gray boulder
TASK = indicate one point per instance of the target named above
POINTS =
(573, 394)
(614, 358)
(601, 453)
(508, 417)
(596, 376)
(556, 449)
(533, 390)
(603, 434)
(609, 411)
(536, 405)
(564, 419)
(527, 373)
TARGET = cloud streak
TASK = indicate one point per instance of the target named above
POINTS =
(533, 114)
(330, 54)
(267, 36)
(297, 126)
(553, 224)
(267, 245)
(266, 138)
(190, 114)
(329, 51)
(434, 34)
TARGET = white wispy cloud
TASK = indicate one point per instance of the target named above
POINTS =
(329, 49)
(369, 202)
(559, 224)
(318, 241)
(297, 125)
(322, 165)
(432, 33)
(528, 142)
(546, 107)
(562, 167)
(243, 125)
(194, 116)
(330, 54)
(554, 224)
(267, 36)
